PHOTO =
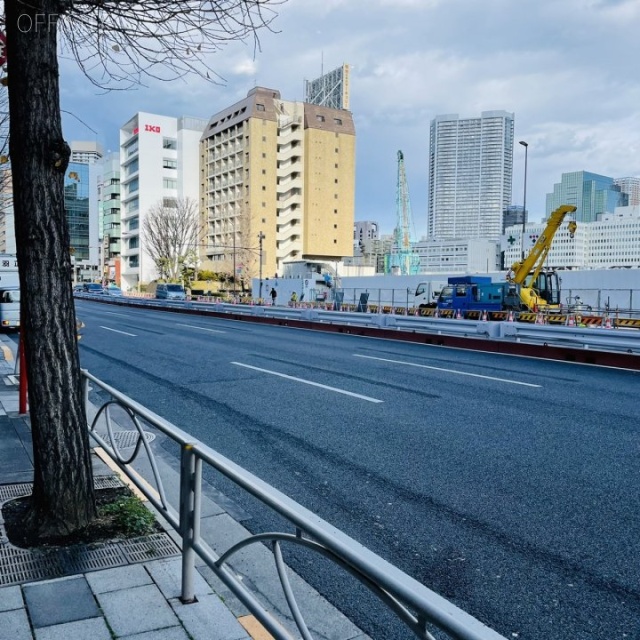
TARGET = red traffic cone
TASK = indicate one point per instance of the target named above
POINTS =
(571, 320)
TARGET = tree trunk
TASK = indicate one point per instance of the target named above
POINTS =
(63, 499)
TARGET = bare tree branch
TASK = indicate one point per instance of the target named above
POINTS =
(170, 233)
(118, 43)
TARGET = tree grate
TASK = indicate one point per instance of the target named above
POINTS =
(10, 491)
(81, 558)
(156, 545)
(18, 566)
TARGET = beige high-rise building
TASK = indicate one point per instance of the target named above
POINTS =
(280, 170)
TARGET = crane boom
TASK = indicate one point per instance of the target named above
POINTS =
(525, 273)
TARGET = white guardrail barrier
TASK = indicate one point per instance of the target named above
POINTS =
(626, 340)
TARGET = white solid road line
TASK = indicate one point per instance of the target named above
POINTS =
(314, 384)
(460, 373)
(193, 326)
(133, 335)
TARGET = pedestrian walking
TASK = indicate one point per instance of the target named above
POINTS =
(274, 295)
(294, 299)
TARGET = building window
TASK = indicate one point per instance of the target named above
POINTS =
(338, 121)
(264, 138)
(169, 164)
(264, 155)
(134, 242)
(134, 223)
(133, 186)
(169, 203)
(259, 107)
(169, 143)
(168, 183)
(264, 172)
(320, 118)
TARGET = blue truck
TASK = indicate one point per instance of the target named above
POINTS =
(478, 293)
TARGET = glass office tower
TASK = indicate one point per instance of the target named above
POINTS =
(592, 194)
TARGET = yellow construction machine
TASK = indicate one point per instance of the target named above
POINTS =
(539, 288)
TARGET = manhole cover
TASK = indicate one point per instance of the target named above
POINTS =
(128, 439)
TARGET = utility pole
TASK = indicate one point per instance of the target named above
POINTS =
(260, 238)
(234, 255)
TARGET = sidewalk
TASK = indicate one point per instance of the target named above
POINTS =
(136, 601)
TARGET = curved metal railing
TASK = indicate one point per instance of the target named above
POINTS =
(419, 608)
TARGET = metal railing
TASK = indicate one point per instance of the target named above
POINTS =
(419, 608)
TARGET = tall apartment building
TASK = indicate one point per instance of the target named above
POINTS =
(158, 165)
(592, 194)
(470, 175)
(280, 170)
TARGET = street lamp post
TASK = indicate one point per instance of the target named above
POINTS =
(524, 203)
(260, 238)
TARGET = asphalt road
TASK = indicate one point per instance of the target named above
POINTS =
(507, 485)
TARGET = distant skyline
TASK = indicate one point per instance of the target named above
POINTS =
(565, 68)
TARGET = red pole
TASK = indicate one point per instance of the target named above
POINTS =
(23, 377)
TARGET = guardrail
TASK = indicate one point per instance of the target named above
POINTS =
(627, 340)
(595, 332)
(419, 608)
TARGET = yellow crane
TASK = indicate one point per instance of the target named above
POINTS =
(539, 288)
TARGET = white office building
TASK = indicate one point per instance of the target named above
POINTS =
(475, 255)
(159, 160)
(609, 243)
(470, 174)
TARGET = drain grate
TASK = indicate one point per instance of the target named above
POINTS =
(128, 439)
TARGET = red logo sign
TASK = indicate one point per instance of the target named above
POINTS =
(151, 127)
(135, 131)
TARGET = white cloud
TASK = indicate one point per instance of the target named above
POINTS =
(566, 68)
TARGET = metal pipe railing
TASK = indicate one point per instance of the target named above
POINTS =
(413, 603)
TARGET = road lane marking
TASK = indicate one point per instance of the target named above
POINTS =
(313, 384)
(193, 326)
(460, 373)
(133, 335)
(113, 313)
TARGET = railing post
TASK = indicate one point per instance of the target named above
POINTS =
(190, 494)
(85, 393)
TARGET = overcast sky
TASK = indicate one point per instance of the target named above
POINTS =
(567, 69)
